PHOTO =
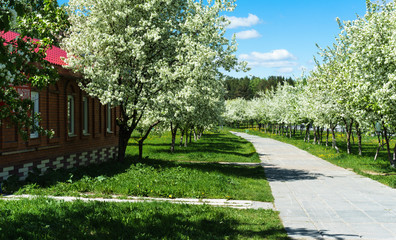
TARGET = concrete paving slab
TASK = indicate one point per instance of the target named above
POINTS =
(318, 200)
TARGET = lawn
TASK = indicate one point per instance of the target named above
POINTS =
(365, 165)
(49, 219)
(214, 147)
(191, 172)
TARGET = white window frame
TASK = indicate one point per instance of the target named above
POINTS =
(35, 97)
(70, 115)
(85, 115)
(108, 118)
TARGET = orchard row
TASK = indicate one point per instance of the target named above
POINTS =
(353, 85)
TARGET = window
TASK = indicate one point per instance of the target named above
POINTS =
(70, 115)
(85, 115)
(35, 110)
(108, 118)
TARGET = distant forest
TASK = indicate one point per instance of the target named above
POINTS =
(249, 88)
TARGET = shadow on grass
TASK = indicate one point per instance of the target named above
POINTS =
(226, 169)
(113, 168)
(202, 148)
(209, 151)
(52, 177)
(212, 144)
(130, 221)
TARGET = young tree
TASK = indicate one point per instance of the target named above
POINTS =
(235, 111)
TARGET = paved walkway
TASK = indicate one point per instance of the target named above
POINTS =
(239, 204)
(318, 200)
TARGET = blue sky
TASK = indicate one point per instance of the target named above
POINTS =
(285, 35)
(279, 37)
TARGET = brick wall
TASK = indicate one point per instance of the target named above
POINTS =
(18, 157)
(66, 161)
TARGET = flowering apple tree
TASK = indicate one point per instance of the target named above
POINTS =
(131, 53)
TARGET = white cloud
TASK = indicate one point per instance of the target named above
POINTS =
(272, 64)
(285, 70)
(275, 55)
(280, 58)
(243, 22)
(249, 34)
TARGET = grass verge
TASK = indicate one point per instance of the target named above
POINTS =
(190, 172)
(49, 219)
(378, 170)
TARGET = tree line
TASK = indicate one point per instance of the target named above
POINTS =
(250, 87)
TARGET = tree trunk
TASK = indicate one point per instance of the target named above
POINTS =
(321, 135)
(200, 132)
(191, 135)
(181, 137)
(315, 135)
(353, 137)
(307, 134)
(359, 135)
(141, 141)
(123, 138)
(392, 163)
(380, 146)
(186, 138)
(348, 133)
(394, 156)
(327, 137)
(334, 143)
(195, 135)
(174, 132)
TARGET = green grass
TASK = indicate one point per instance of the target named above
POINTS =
(214, 147)
(190, 172)
(49, 219)
(365, 165)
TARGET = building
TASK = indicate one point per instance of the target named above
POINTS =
(85, 130)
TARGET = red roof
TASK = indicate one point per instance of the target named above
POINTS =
(54, 54)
